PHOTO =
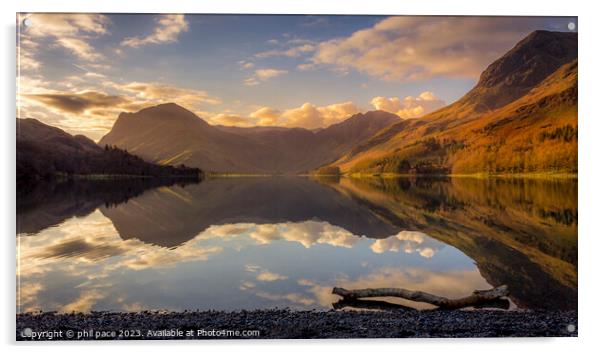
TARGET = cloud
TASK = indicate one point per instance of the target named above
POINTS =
(264, 275)
(27, 293)
(306, 233)
(292, 52)
(80, 48)
(77, 102)
(311, 117)
(307, 116)
(84, 302)
(269, 276)
(73, 248)
(291, 297)
(265, 74)
(410, 106)
(25, 54)
(306, 67)
(61, 25)
(246, 64)
(262, 75)
(94, 75)
(408, 242)
(70, 31)
(229, 120)
(161, 93)
(168, 29)
(266, 116)
(413, 48)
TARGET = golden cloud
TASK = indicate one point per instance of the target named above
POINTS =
(84, 302)
(70, 31)
(413, 48)
(311, 117)
(25, 54)
(306, 233)
(168, 29)
(263, 275)
(266, 116)
(80, 48)
(229, 120)
(410, 106)
(162, 93)
(64, 24)
(262, 75)
(408, 242)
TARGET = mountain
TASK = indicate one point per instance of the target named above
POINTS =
(170, 134)
(43, 151)
(520, 117)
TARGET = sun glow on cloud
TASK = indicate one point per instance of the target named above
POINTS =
(263, 75)
(69, 31)
(409, 106)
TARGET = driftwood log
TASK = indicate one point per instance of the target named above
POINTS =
(502, 304)
(370, 305)
(478, 297)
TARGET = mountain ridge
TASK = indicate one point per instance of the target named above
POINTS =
(460, 138)
(43, 151)
(169, 133)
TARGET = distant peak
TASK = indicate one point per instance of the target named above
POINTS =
(534, 58)
(547, 34)
(166, 111)
(166, 107)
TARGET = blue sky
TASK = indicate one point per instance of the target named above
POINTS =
(78, 71)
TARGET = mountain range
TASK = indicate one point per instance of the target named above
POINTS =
(521, 117)
(170, 134)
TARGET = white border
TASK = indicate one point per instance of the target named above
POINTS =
(590, 131)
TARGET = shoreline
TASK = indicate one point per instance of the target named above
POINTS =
(534, 175)
(542, 175)
(291, 324)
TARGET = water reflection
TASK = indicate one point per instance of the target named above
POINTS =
(264, 242)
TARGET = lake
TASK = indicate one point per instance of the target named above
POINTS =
(264, 242)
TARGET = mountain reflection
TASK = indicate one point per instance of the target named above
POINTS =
(250, 233)
(47, 204)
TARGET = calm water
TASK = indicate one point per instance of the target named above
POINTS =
(245, 243)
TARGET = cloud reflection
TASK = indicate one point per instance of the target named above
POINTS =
(408, 242)
(90, 252)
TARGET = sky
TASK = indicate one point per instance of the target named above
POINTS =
(79, 71)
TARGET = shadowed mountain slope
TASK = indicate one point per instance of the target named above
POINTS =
(170, 134)
(44, 151)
